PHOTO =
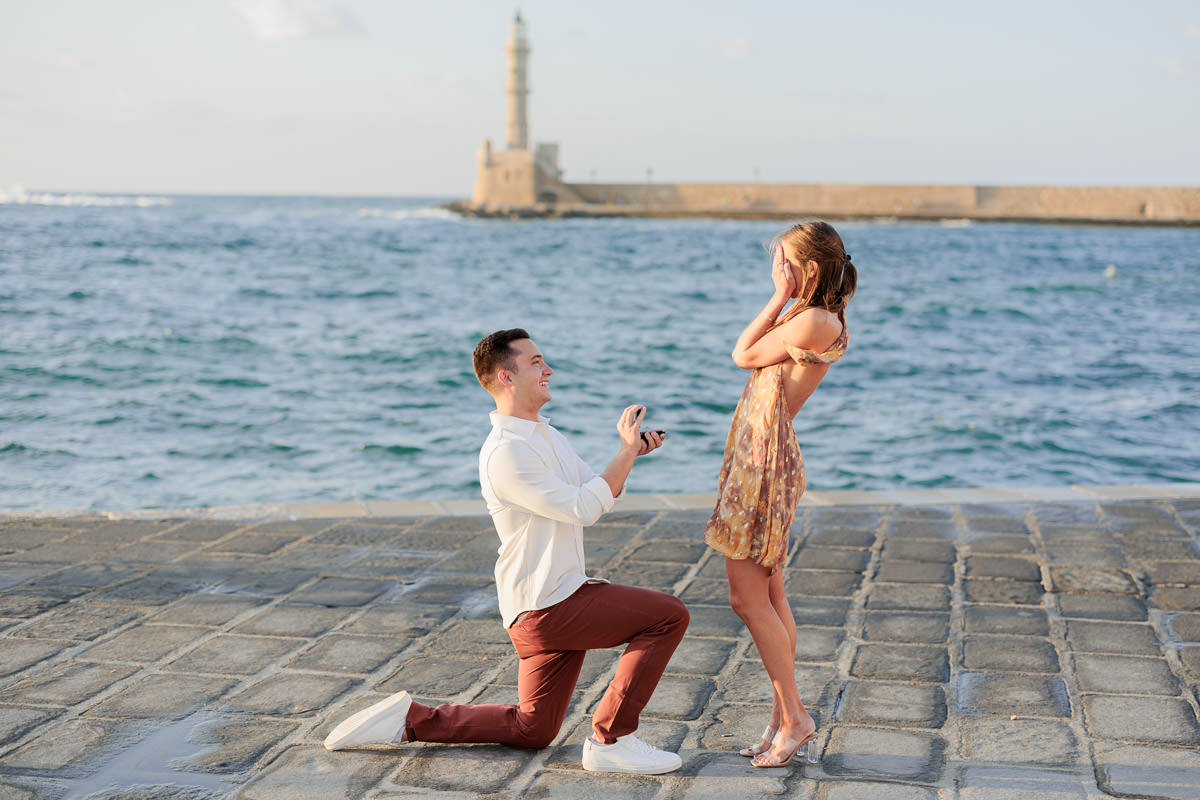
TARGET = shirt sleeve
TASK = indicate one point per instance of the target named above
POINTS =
(519, 477)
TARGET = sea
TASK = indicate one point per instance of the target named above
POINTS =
(196, 351)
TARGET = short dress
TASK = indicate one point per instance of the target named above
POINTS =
(762, 473)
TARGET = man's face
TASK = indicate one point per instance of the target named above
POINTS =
(531, 374)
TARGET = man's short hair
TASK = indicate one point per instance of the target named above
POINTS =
(493, 353)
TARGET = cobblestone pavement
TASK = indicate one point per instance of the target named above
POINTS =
(1040, 649)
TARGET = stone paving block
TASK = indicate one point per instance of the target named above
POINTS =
(200, 531)
(78, 622)
(400, 568)
(1160, 720)
(233, 654)
(475, 637)
(1092, 580)
(720, 621)
(1088, 534)
(15, 722)
(1190, 658)
(1185, 626)
(20, 654)
(900, 755)
(70, 551)
(163, 697)
(1088, 636)
(144, 643)
(1083, 513)
(679, 698)
(30, 603)
(737, 725)
(254, 544)
(1009, 782)
(696, 656)
(88, 576)
(1005, 619)
(276, 583)
(661, 577)
(749, 683)
(827, 611)
(864, 518)
(308, 558)
(150, 552)
(436, 675)
(837, 537)
(999, 545)
(1019, 741)
(150, 591)
(706, 592)
(289, 619)
(340, 653)
(991, 590)
(552, 785)
(831, 558)
(815, 582)
(342, 592)
(1159, 549)
(929, 628)
(683, 552)
(909, 528)
(1009, 567)
(812, 644)
(1009, 654)
(409, 621)
(1103, 607)
(1140, 771)
(71, 748)
(1006, 695)
(1124, 675)
(1172, 573)
(662, 733)
(892, 704)
(915, 572)
(453, 591)
(290, 693)
(1010, 523)
(212, 610)
(710, 777)
(309, 772)
(313, 526)
(358, 535)
(232, 744)
(873, 790)
(902, 662)
(919, 550)
(67, 684)
(908, 597)
(1079, 555)
(1186, 599)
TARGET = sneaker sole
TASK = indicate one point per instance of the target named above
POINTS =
(341, 736)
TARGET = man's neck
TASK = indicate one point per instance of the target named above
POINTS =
(517, 410)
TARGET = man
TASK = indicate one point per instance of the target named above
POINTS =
(540, 495)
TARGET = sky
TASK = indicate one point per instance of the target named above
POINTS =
(394, 97)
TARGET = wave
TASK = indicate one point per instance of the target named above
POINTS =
(18, 196)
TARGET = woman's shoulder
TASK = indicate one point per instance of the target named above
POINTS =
(812, 328)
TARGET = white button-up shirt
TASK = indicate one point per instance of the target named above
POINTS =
(540, 495)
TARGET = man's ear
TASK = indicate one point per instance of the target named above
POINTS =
(504, 377)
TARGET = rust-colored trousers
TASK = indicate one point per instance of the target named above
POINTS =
(551, 644)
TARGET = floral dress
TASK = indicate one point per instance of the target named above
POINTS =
(762, 474)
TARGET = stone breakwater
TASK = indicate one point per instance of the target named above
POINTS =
(981, 644)
(1130, 205)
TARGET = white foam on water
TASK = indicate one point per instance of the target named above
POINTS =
(17, 195)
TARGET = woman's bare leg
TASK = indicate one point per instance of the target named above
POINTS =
(757, 597)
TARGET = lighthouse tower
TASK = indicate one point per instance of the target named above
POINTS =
(519, 178)
(518, 85)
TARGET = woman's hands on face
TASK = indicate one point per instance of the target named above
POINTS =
(781, 273)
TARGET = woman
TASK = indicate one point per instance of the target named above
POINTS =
(762, 474)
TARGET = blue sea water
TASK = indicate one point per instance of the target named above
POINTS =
(195, 351)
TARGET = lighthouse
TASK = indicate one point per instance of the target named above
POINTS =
(517, 86)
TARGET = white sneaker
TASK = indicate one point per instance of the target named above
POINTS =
(628, 754)
(382, 723)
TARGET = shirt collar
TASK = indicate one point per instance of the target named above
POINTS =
(521, 427)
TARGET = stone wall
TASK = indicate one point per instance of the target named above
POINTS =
(1150, 204)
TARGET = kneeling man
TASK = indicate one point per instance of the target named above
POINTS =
(540, 495)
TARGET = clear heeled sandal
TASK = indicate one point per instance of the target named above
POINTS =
(768, 738)
(806, 749)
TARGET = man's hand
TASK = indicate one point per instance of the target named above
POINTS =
(629, 427)
(651, 440)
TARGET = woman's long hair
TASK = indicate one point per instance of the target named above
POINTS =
(837, 277)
